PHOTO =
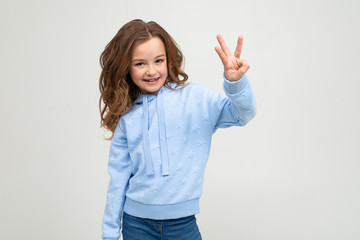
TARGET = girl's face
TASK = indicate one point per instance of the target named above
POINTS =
(148, 67)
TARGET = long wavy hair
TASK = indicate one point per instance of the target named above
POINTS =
(118, 91)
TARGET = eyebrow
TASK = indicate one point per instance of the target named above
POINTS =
(139, 59)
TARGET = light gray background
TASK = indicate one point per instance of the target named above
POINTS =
(292, 173)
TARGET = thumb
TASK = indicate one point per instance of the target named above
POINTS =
(234, 76)
(244, 66)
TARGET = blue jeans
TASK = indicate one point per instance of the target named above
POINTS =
(134, 228)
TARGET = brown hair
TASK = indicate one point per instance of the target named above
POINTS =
(118, 91)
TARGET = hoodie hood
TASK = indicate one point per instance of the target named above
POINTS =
(150, 97)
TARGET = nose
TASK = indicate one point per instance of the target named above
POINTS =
(150, 70)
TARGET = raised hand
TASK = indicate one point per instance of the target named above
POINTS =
(234, 67)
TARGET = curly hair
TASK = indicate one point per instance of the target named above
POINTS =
(118, 91)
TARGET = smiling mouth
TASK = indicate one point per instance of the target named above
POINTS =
(151, 79)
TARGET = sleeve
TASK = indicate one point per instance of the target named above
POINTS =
(237, 109)
(119, 168)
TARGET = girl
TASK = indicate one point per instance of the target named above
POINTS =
(161, 131)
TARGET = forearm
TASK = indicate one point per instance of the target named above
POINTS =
(242, 98)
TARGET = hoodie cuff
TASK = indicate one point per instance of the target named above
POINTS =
(233, 87)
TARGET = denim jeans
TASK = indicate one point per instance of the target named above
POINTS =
(134, 228)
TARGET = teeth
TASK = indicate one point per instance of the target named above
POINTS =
(151, 80)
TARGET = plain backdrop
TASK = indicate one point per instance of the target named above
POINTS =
(292, 173)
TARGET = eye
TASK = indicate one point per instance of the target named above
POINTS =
(139, 64)
(159, 61)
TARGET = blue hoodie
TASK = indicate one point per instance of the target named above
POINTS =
(160, 148)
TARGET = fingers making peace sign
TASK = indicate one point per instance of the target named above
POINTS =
(234, 67)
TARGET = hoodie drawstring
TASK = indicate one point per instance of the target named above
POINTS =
(146, 145)
(162, 132)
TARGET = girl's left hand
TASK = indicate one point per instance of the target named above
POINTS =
(234, 67)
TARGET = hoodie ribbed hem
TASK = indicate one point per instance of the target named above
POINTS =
(161, 212)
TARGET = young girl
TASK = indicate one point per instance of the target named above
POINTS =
(162, 127)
